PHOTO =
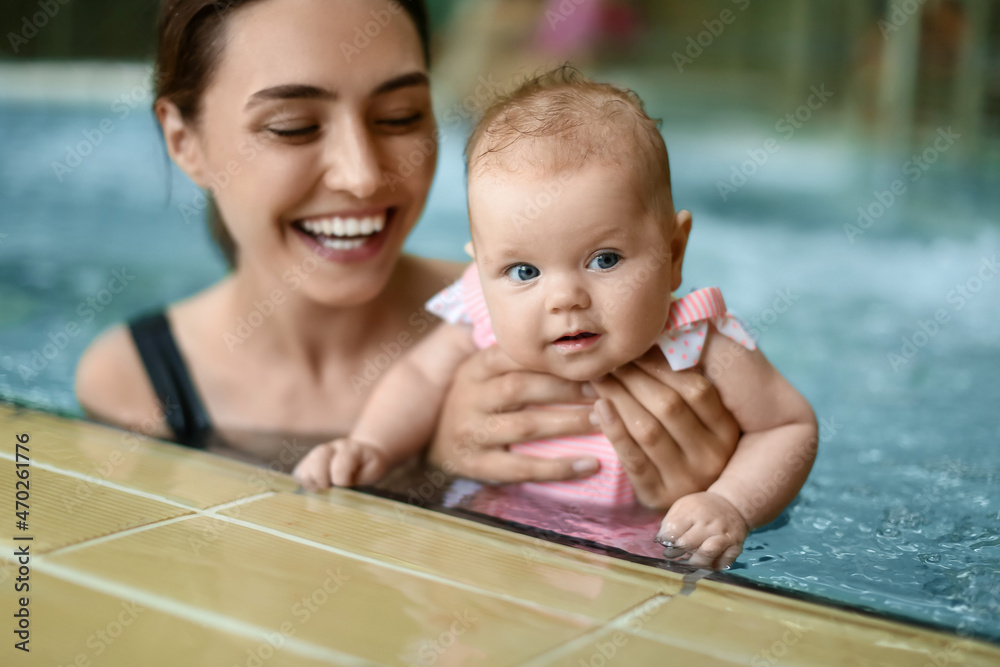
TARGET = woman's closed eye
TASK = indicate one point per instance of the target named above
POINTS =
(294, 131)
(522, 273)
(401, 121)
(604, 261)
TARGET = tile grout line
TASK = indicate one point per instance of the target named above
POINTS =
(411, 571)
(616, 623)
(98, 481)
(199, 616)
(210, 511)
(121, 533)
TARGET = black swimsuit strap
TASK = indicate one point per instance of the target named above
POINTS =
(171, 380)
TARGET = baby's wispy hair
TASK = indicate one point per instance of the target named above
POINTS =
(563, 120)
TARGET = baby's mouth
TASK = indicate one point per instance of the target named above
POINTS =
(580, 340)
(345, 232)
(579, 336)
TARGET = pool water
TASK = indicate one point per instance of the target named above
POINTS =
(893, 337)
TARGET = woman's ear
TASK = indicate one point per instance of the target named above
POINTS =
(678, 244)
(183, 143)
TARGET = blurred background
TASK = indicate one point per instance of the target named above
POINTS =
(841, 160)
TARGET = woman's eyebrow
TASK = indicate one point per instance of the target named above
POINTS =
(402, 81)
(289, 91)
(293, 91)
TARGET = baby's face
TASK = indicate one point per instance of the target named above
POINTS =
(576, 273)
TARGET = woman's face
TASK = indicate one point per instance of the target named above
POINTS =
(317, 138)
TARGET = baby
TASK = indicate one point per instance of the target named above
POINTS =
(577, 251)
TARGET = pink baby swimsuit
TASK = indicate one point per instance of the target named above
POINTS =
(681, 341)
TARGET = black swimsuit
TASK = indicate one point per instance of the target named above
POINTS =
(171, 380)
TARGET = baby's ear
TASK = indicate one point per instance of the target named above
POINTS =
(682, 229)
(470, 250)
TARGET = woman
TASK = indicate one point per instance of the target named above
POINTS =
(311, 125)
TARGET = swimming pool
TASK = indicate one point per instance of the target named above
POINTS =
(893, 337)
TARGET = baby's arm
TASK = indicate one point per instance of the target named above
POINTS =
(398, 418)
(770, 464)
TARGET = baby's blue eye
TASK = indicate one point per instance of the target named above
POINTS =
(604, 261)
(522, 273)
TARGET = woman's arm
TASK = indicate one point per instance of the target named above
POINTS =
(681, 415)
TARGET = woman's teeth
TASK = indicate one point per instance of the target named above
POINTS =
(344, 228)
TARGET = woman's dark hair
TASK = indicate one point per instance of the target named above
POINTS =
(188, 49)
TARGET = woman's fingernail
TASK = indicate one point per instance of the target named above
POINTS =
(588, 390)
(594, 419)
(585, 465)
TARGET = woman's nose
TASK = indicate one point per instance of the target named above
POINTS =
(566, 293)
(352, 161)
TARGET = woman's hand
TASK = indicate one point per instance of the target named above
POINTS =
(485, 411)
(670, 429)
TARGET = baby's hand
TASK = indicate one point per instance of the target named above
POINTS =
(343, 462)
(705, 527)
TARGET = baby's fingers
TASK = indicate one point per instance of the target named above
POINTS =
(675, 533)
(312, 472)
(371, 468)
(344, 465)
(716, 552)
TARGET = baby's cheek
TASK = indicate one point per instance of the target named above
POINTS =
(516, 342)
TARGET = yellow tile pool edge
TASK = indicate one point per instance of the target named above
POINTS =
(721, 623)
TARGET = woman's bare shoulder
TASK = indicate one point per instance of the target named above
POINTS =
(112, 385)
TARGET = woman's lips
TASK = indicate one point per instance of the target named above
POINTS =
(346, 238)
(577, 341)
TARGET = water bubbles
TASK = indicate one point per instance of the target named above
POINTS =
(930, 558)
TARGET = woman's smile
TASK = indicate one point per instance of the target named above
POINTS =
(353, 236)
